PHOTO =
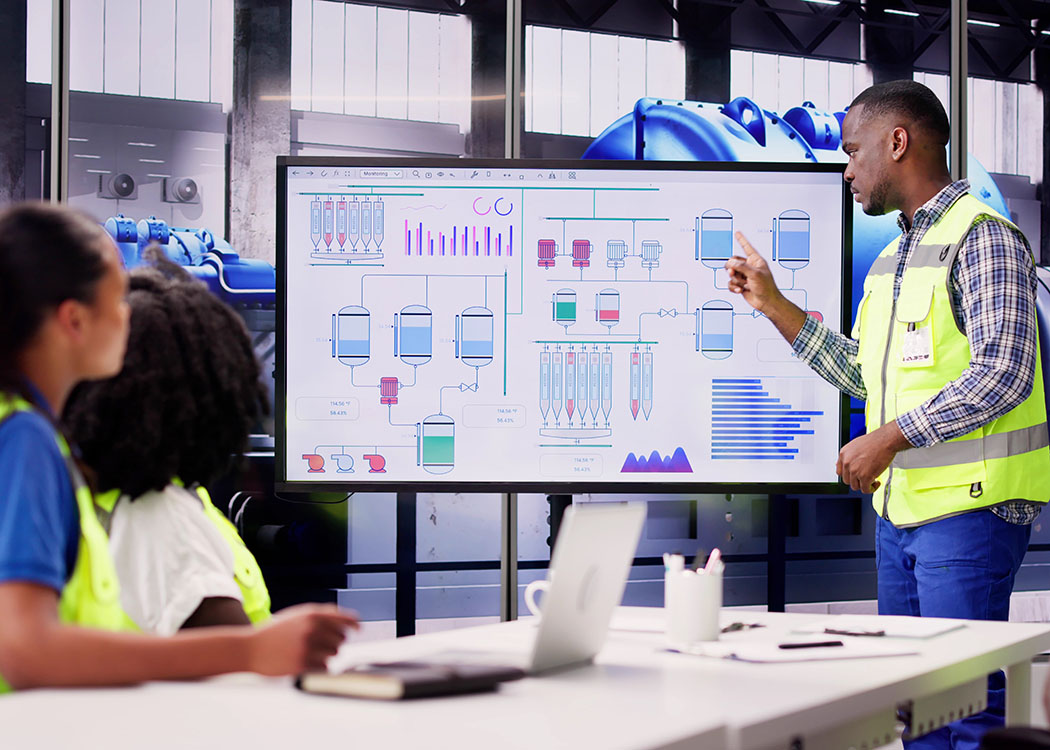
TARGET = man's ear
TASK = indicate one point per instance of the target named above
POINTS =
(899, 142)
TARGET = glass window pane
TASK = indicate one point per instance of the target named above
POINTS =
(423, 74)
(302, 35)
(360, 74)
(327, 63)
(575, 83)
(546, 85)
(392, 65)
(193, 50)
(38, 41)
(86, 49)
(121, 53)
(158, 54)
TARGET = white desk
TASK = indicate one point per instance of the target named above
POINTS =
(635, 696)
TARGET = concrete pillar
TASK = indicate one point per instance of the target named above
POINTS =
(488, 79)
(260, 127)
(705, 30)
(13, 95)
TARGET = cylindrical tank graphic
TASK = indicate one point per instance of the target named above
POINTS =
(716, 329)
(315, 221)
(545, 383)
(793, 239)
(565, 307)
(340, 223)
(475, 336)
(616, 251)
(378, 218)
(557, 380)
(355, 223)
(607, 389)
(366, 222)
(351, 337)
(607, 307)
(437, 444)
(329, 222)
(716, 237)
(651, 250)
(415, 335)
(596, 383)
(582, 380)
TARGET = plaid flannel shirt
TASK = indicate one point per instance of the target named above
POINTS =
(993, 290)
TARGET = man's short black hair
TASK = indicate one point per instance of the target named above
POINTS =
(909, 100)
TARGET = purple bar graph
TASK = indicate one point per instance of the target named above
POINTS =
(434, 243)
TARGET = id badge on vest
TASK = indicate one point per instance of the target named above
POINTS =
(917, 346)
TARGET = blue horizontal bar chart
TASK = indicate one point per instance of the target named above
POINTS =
(747, 423)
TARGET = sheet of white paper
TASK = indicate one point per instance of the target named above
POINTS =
(893, 626)
(771, 653)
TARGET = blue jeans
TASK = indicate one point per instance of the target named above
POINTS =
(962, 567)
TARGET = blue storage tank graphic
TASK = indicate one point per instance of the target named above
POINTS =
(716, 237)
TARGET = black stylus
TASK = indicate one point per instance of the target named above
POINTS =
(810, 644)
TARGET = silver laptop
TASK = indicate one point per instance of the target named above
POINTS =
(588, 572)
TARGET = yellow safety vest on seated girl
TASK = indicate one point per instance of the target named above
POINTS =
(91, 596)
(907, 353)
(254, 594)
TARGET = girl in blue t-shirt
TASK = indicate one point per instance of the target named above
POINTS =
(63, 320)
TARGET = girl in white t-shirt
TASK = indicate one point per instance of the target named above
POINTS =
(166, 425)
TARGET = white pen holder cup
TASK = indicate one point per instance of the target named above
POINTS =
(692, 601)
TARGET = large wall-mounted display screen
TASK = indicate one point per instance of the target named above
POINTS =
(558, 326)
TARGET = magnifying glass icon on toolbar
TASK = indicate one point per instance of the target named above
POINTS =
(415, 173)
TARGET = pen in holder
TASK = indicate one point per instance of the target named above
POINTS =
(692, 600)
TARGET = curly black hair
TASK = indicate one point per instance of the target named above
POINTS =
(187, 397)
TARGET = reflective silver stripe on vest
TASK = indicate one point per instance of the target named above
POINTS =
(1002, 445)
(934, 255)
(884, 265)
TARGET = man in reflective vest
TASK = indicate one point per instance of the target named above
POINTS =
(945, 353)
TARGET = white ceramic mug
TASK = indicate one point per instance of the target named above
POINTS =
(530, 595)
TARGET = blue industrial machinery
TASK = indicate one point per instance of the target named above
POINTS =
(244, 283)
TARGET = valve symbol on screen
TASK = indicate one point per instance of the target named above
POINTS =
(316, 463)
(376, 463)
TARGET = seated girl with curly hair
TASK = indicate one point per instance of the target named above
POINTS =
(169, 423)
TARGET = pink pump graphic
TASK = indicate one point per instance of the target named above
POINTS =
(316, 463)
(376, 463)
